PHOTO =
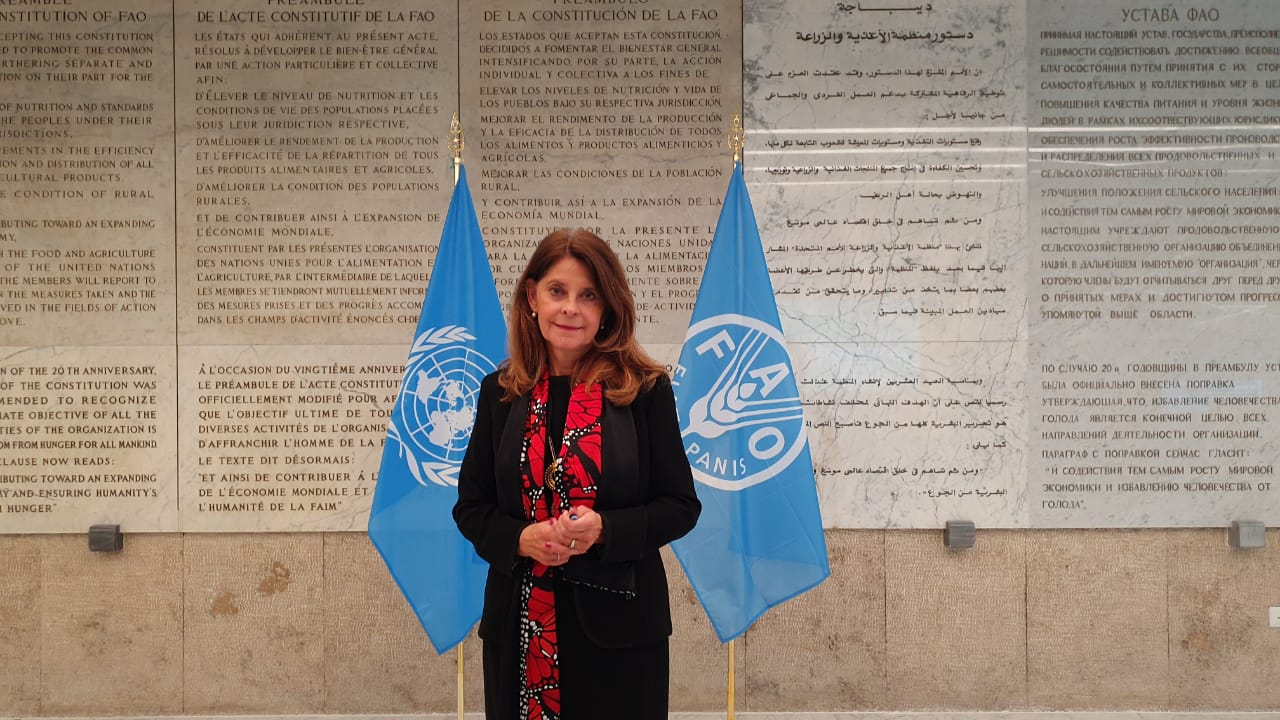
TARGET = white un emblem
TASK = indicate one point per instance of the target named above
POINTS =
(437, 403)
(742, 418)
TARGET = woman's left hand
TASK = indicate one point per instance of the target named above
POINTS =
(578, 529)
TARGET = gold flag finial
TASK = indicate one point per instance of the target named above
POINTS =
(737, 138)
(456, 142)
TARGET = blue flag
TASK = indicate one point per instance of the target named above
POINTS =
(759, 539)
(461, 337)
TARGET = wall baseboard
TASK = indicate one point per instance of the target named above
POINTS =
(931, 715)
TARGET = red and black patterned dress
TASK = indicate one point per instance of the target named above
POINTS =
(560, 673)
(574, 416)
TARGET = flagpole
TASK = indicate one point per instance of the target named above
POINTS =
(462, 703)
(729, 715)
(455, 145)
(736, 140)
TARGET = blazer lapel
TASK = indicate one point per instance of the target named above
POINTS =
(620, 484)
(507, 455)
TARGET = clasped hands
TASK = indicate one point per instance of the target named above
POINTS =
(554, 540)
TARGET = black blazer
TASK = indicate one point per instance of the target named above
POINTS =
(645, 498)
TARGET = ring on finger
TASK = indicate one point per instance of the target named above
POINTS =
(572, 543)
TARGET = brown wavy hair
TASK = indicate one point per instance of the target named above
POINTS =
(615, 359)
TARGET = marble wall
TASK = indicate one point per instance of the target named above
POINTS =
(1020, 248)
(1023, 250)
(217, 223)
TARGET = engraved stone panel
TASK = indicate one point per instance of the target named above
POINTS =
(279, 442)
(1153, 226)
(87, 414)
(313, 179)
(202, 206)
(611, 117)
(86, 175)
(88, 437)
(886, 156)
(313, 172)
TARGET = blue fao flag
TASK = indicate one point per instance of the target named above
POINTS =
(461, 337)
(759, 540)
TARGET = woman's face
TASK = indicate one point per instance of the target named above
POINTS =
(569, 308)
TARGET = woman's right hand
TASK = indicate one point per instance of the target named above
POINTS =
(539, 542)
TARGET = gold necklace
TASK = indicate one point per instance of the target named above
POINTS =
(553, 467)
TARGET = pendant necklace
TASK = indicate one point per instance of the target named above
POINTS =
(553, 467)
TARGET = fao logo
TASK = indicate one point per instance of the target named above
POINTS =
(742, 419)
(438, 403)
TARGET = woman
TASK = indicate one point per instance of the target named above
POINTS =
(575, 476)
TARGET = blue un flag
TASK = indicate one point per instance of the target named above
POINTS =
(759, 541)
(461, 337)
